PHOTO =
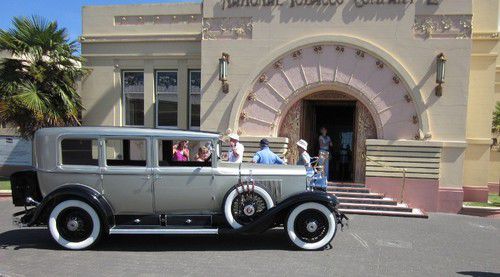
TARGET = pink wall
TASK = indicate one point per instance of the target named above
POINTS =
(475, 194)
(424, 194)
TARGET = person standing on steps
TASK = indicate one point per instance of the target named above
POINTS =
(325, 143)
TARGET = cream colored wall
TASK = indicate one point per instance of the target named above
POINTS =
(274, 28)
(386, 27)
(481, 93)
(111, 48)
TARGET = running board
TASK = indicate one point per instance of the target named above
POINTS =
(162, 231)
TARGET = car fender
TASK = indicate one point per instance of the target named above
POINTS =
(278, 212)
(74, 191)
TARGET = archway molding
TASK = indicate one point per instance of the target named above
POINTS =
(266, 94)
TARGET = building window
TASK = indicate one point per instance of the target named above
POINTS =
(133, 97)
(194, 98)
(166, 98)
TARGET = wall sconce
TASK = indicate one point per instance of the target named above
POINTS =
(223, 62)
(440, 73)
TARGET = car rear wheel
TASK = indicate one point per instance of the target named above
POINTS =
(244, 204)
(311, 226)
(75, 225)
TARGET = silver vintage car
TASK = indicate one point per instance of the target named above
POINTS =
(89, 182)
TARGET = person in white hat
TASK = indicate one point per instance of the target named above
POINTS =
(304, 158)
(236, 149)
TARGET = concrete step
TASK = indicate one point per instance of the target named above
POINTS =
(358, 195)
(347, 185)
(347, 189)
(376, 207)
(417, 213)
(384, 201)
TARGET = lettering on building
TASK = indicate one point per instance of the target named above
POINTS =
(228, 4)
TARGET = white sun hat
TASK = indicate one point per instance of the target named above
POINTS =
(302, 144)
(234, 136)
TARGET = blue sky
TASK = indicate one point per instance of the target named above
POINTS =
(66, 13)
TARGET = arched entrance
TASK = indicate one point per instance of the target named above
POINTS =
(372, 84)
(349, 123)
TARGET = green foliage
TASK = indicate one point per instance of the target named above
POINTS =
(38, 81)
(496, 118)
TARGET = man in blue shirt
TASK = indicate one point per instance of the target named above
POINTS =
(265, 155)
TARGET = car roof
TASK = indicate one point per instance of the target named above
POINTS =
(125, 131)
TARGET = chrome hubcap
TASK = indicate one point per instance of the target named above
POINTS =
(249, 210)
(72, 224)
(312, 226)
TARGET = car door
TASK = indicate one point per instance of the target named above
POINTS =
(127, 176)
(182, 187)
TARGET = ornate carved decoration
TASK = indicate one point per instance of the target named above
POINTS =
(290, 128)
(396, 79)
(278, 64)
(486, 36)
(297, 54)
(365, 129)
(263, 78)
(318, 49)
(380, 64)
(328, 95)
(360, 53)
(339, 48)
(443, 26)
(251, 96)
(156, 19)
(227, 28)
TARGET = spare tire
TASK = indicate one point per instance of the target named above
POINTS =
(245, 203)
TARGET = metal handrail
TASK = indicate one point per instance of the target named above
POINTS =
(403, 171)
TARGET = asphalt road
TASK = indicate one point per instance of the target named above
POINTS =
(443, 245)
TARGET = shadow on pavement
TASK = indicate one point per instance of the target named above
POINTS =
(275, 239)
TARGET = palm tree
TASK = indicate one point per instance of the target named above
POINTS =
(496, 118)
(38, 82)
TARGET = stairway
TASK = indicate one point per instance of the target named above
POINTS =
(357, 199)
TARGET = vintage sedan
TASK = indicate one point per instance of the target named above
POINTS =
(89, 182)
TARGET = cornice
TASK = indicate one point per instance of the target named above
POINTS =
(140, 38)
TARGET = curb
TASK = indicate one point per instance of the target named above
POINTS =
(5, 193)
(489, 212)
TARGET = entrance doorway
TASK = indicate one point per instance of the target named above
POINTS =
(338, 117)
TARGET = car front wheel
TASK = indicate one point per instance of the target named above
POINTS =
(75, 225)
(311, 226)
(244, 204)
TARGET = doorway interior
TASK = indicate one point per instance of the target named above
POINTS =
(339, 119)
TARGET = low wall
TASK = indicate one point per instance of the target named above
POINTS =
(422, 161)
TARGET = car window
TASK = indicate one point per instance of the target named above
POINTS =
(126, 152)
(79, 152)
(184, 153)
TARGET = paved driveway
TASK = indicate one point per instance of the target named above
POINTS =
(443, 245)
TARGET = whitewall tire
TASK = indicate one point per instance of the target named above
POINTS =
(245, 203)
(311, 226)
(74, 225)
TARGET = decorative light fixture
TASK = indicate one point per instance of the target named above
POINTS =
(223, 62)
(440, 73)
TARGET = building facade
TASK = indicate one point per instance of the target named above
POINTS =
(364, 69)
